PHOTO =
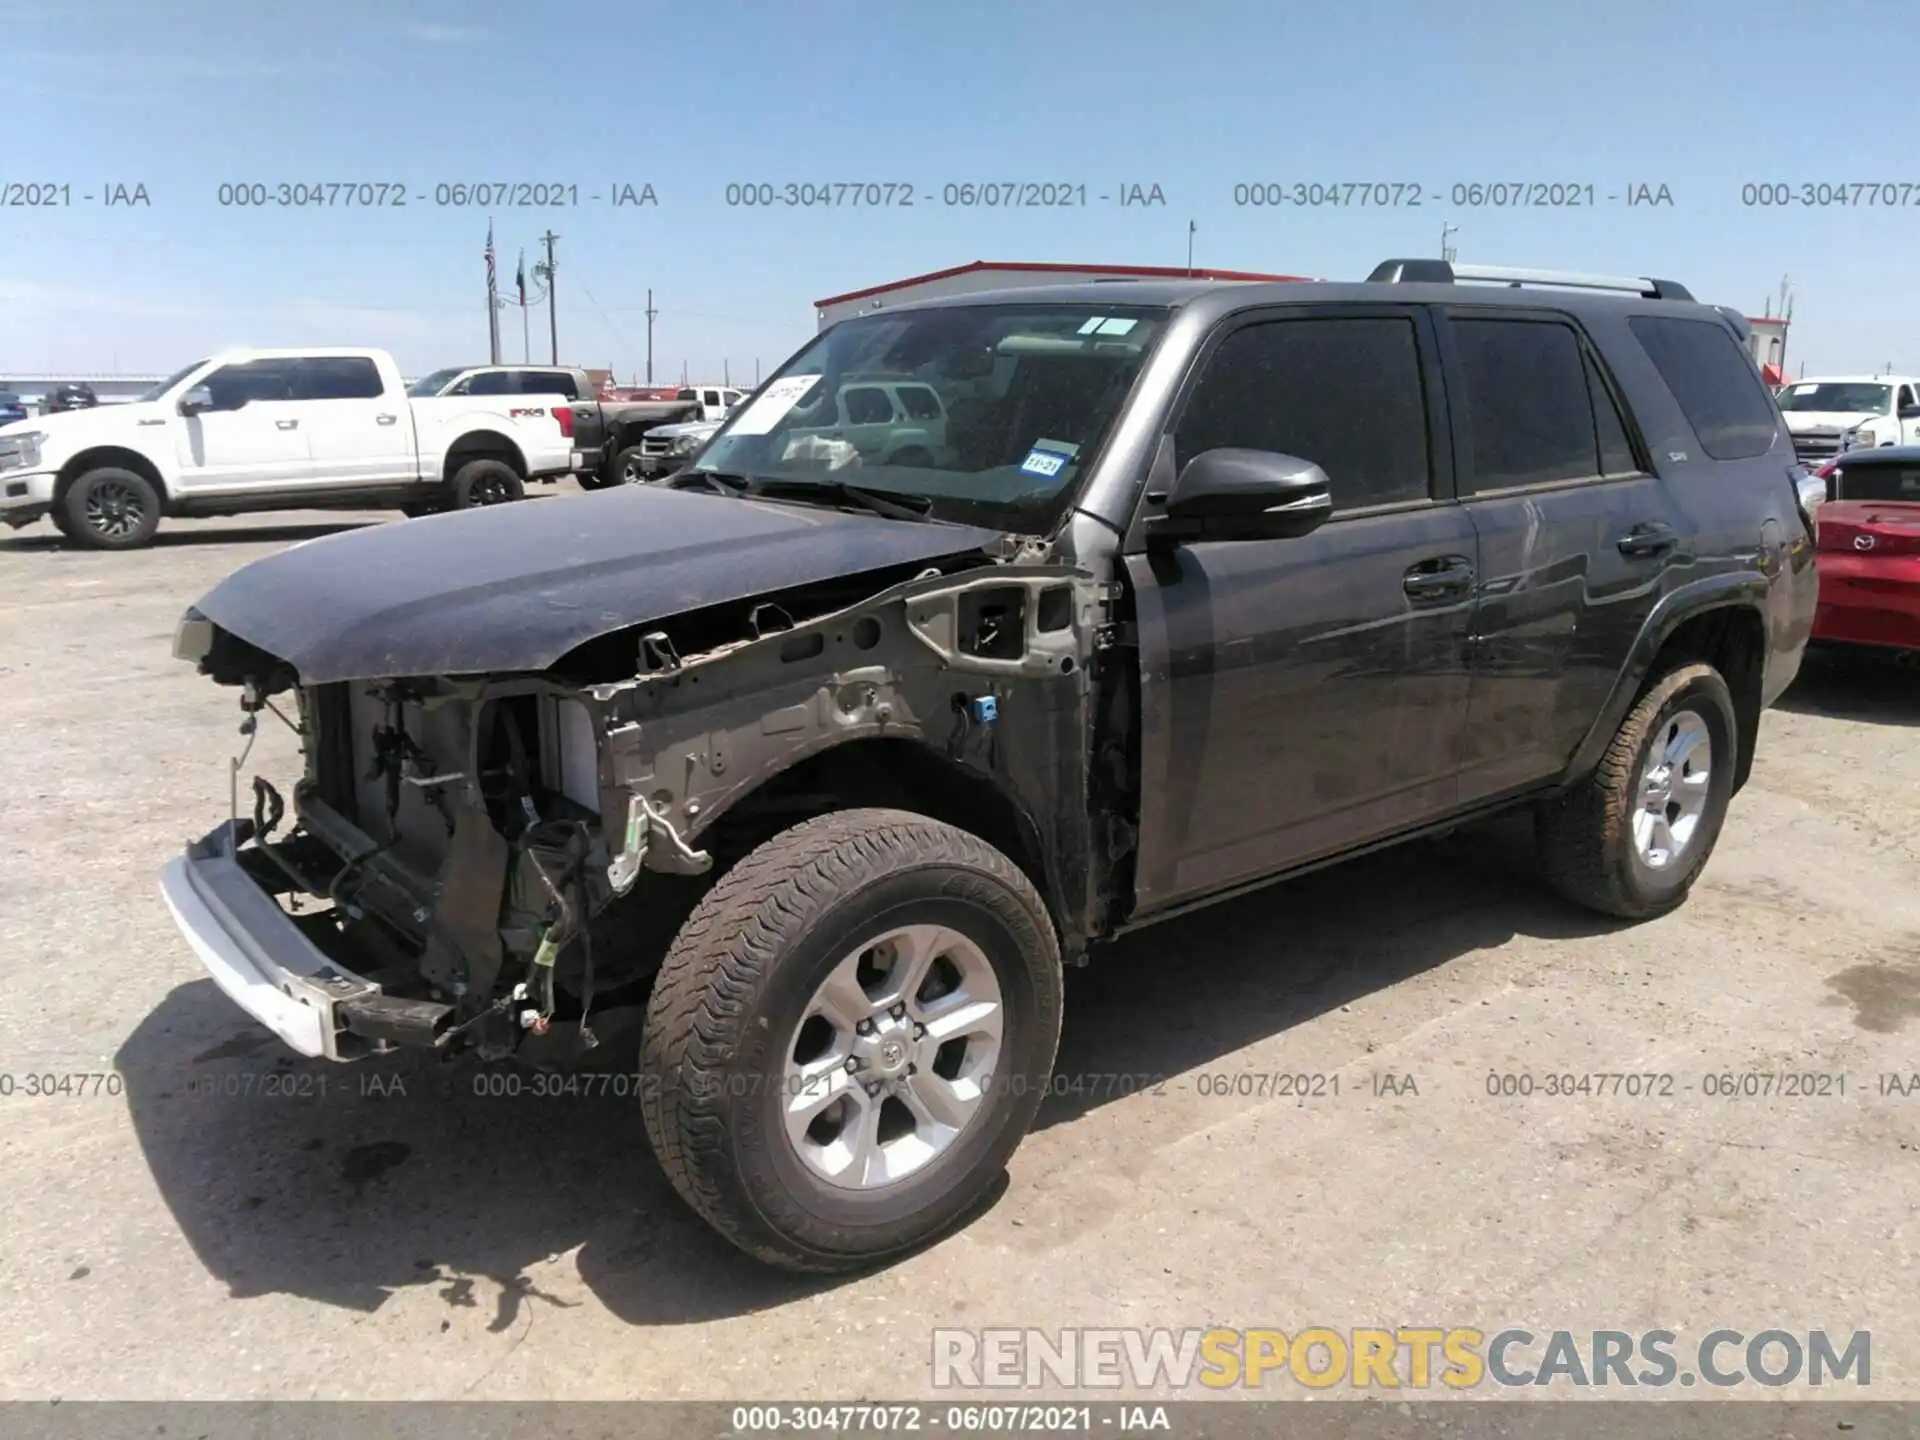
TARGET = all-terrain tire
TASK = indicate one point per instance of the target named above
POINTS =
(111, 509)
(486, 482)
(736, 983)
(1586, 839)
(625, 469)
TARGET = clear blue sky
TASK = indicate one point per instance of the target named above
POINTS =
(1194, 97)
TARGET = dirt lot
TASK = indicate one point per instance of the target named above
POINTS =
(401, 1236)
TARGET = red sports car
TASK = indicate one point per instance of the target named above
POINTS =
(1869, 550)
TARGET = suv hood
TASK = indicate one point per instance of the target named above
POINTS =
(515, 587)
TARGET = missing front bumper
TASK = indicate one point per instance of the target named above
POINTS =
(269, 967)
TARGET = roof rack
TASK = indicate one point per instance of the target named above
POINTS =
(1442, 272)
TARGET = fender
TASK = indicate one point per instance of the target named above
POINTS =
(1747, 589)
(490, 441)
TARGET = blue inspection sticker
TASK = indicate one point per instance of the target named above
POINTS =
(1045, 463)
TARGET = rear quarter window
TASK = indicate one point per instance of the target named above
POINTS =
(1714, 383)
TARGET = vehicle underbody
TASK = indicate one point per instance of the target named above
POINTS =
(482, 859)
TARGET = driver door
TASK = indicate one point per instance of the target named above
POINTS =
(1304, 696)
(253, 439)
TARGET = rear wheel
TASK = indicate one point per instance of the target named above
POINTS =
(849, 1037)
(111, 509)
(486, 482)
(1631, 840)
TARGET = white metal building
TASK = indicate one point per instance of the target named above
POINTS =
(1006, 275)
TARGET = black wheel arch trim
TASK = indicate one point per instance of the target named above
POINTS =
(112, 457)
(484, 445)
(1748, 590)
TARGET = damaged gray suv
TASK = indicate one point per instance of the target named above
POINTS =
(827, 755)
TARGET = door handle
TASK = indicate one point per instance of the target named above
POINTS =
(385, 419)
(1654, 539)
(288, 424)
(1438, 579)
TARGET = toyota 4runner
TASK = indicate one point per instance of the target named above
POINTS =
(833, 764)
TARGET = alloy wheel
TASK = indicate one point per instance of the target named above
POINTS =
(892, 1060)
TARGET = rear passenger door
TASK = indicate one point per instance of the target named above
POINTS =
(1574, 536)
(1300, 697)
(357, 432)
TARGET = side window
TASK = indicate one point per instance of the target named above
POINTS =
(1714, 383)
(235, 385)
(1344, 393)
(1530, 415)
(867, 405)
(1616, 450)
(730, 397)
(543, 382)
(919, 402)
(489, 382)
(710, 397)
(1907, 398)
(338, 377)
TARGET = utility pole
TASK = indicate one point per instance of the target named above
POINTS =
(1192, 226)
(756, 372)
(553, 316)
(651, 312)
(726, 373)
(1447, 252)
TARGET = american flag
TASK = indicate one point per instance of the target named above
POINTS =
(492, 281)
(520, 278)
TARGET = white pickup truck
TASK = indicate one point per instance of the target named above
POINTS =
(1829, 414)
(319, 428)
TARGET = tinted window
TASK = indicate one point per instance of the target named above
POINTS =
(867, 405)
(338, 377)
(1713, 381)
(919, 402)
(1616, 450)
(235, 385)
(687, 395)
(711, 397)
(548, 382)
(1345, 394)
(1530, 417)
(732, 397)
(488, 382)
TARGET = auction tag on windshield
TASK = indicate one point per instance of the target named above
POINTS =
(1048, 458)
(780, 397)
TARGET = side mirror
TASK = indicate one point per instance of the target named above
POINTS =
(196, 401)
(1910, 412)
(1242, 495)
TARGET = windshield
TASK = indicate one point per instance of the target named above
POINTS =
(1837, 396)
(990, 412)
(430, 385)
(167, 384)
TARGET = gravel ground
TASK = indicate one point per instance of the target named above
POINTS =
(399, 1235)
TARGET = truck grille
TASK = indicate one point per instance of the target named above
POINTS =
(1817, 445)
(654, 445)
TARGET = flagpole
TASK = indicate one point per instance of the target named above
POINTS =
(493, 302)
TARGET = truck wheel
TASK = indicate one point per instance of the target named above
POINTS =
(849, 1037)
(1632, 838)
(625, 469)
(111, 509)
(486, 482)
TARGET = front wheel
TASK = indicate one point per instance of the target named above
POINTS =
(626, 468)
(111, 509)
(1631, 840)
(849, 1037)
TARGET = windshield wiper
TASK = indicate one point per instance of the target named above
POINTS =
(893, 504)
(717, 481)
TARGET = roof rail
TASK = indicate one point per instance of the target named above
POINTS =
(1442, 272)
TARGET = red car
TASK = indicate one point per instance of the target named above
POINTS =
(1869, 550)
